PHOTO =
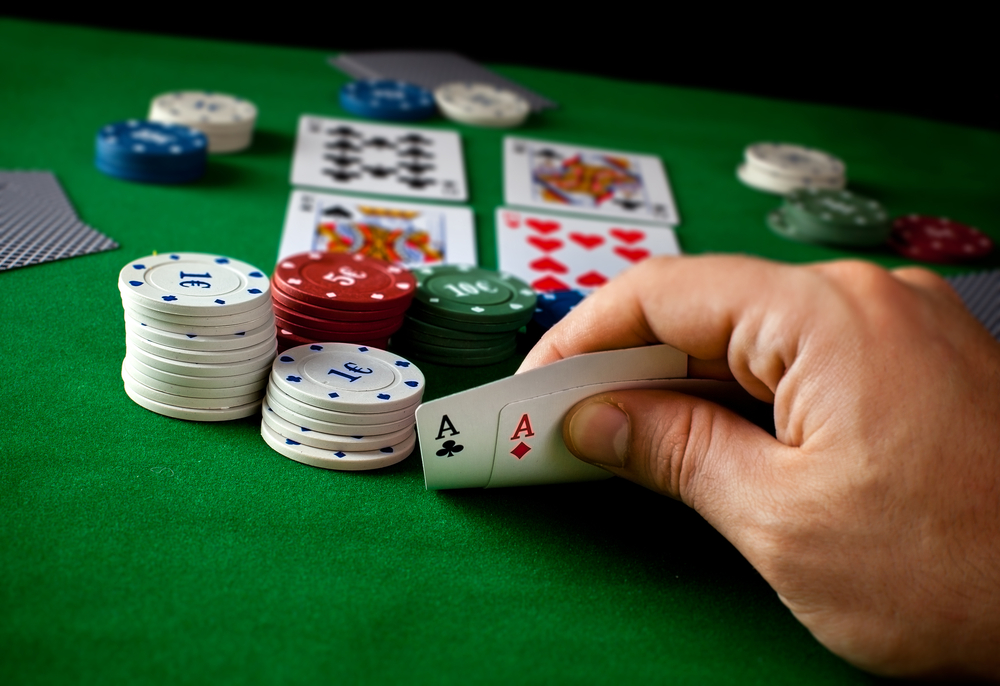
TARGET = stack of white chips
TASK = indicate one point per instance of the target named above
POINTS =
(226, 120)
(481, 104)
(782, 168)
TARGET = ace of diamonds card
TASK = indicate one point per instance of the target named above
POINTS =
(378, 158)
(572, 178)
(560, 253)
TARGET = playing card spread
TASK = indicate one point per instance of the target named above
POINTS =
(981, 295)
(378, 158)
(407, 234)
(38, 223)
(461, 434)
(429, 69)
(555, 253)
(579, 180)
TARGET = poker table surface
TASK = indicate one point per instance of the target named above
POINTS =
(135, 548)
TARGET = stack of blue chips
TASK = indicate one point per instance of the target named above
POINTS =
(551, 307)
(387, 99)
(152, 152)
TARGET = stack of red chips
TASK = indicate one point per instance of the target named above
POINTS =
(322, 297)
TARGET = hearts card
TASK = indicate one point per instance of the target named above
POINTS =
(561, 253)
(378, 158)
(408, 234)
(570, 178)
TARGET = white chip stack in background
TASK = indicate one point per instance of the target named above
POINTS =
(782, 168)
(199, 335)
(342, 406)
(228, 121)
(481, 104)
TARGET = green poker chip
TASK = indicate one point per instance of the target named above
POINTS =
(418, 312)
(437, 345)
(476, 336)
(833, 217)
(457, 359)
(471, 294)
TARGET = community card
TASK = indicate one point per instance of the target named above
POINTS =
(381, 159)
(572, 178)
(408, 234)
(458, 433)
(555, 253)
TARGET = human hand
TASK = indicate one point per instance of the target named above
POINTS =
(875, 511)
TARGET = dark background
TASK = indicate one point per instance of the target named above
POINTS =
(938, 64)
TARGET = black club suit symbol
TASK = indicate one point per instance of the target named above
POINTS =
(449, 448)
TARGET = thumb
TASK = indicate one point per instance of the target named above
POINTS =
(685, 447)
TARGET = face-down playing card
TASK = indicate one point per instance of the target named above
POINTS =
(469, 439)
(408, 234)
(571, 178)
(555, 253)
(378, 158)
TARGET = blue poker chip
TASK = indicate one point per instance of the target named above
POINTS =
(152, 152)
(551, 307)
(387, 99)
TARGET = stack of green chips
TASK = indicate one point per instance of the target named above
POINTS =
(834, 217)
(464, 316)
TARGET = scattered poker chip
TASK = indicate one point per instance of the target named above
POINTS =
(472, 294)
(481, 104)
(783, 168)
(937, 239)
(833, 217)
(332, 441)
(194, 284)
(226, 120)
(331, 421)
(348, 378)
(210, 356)
(344, 281)
(338, 459)
(387, 99)
(151, 152)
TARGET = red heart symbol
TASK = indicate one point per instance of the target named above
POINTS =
(627, 235)
(591, 279)
(632, 254)
(588, 241)
(547, 264)
(542, 226)
(549, 283)
(512, 219)
(545, 244)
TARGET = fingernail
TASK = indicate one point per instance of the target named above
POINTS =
(598, 433)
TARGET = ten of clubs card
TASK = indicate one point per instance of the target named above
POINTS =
(381, 159)
(579, 180)
(407, 234)
(555, 253)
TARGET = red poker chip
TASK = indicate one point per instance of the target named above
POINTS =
(289, 302)
(345, 281)
(332, 322)
(937, 239)
(287, 340)
(342, 336)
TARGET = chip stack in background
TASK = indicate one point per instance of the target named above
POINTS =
(551, 308)
(199, 335)
(783, 168)
(321, 297)
(341, 406)
(938, 239)
(465, 316)
(151, 152)
(387, 99)
(227, 121)
(831, 217)
(481, 104)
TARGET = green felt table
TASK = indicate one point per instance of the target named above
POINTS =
(140, 549)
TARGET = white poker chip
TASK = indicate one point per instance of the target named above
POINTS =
(194, 284)
(187, 402)
(348, 378)
(481, 104)
(233, 341)
(770, 182)
(296, 412)
(140, 310)
(261, 376)
(227, 121)
(337, 459)
(196, 415)
(794, 160)
(230, 369)
(136, 372)
(140, 315)
(202, 356)
(327, 441)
